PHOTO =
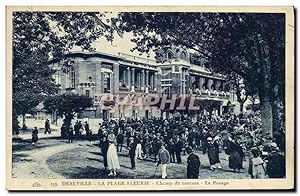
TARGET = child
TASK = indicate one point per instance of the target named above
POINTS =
(258, 170)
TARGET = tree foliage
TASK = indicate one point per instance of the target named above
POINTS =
(67, 105)
(248, 45)
(41, 36)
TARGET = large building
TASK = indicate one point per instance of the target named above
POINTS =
(175, 72)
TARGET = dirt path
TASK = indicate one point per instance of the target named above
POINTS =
(54, 158)
(33, 163)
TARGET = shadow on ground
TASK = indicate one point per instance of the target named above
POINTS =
(86, 162)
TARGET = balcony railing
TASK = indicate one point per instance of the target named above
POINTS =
(137, 89)
(210, 93)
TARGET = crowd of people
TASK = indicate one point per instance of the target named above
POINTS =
(164, 141)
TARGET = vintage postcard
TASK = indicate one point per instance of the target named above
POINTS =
(150, 98)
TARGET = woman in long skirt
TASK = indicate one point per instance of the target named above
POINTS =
(35, 135)
(213, 153)
(112, 156)
(235, 155)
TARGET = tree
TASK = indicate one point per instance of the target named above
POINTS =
(67, 105)
(32, 82)
(41, 36)
(249, 45)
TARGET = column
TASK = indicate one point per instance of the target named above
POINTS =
(147, 78)
(132, 77)
(115, 81)
(111, 86)
(158, 81)
(138, 79)
(143, 80)
(155, 82)
(147, 82)
(128, 78)
(151, 81)
(124, 76)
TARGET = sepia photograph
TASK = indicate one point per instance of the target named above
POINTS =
(157, 98)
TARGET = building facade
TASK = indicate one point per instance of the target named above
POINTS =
(175, 72)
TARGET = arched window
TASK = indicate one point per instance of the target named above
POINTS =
(183, 55)
(71, 74)
(170, 55)
(87, 93)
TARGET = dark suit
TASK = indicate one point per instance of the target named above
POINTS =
(132, 148)
(120, 140)
(193, 166)
(276, 165)
(178, 149)
(104, 148)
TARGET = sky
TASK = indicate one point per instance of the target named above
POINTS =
(119, 44)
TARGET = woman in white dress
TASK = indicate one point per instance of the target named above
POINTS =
(112, 156)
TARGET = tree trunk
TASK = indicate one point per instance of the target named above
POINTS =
(241, 107)
(56, 119)
(15, 124)
(276, 120)
(24, 122)
(265, 88)
(266, 114)
(67, 122)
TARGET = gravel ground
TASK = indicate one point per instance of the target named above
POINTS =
(55, 158)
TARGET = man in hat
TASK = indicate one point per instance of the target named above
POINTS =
(86, 128)
(132, 149)
(178, 145)
(276, 162)
(193, 162)
(70, 135)
(47, 127)
(120, 140)
(104, 148)
(204, 137)
(156, 144)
